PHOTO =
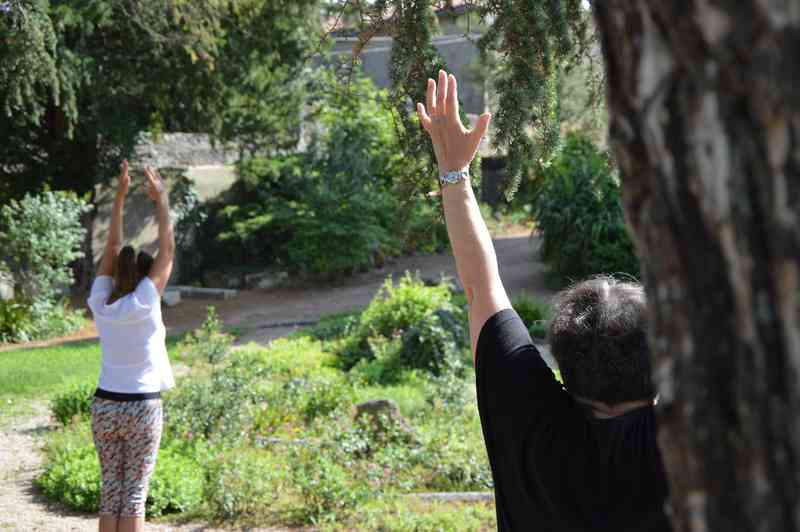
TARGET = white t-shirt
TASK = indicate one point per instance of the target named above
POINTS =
(132, 338)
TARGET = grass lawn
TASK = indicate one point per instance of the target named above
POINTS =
(39, 373)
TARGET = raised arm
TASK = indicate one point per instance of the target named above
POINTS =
(114, 242)
(162, 266)
(455, 147)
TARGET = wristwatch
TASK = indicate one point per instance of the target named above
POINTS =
(454, 176)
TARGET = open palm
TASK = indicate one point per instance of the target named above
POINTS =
(455, 146)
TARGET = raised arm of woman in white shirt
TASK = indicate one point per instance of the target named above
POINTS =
(162, 266)
(114, 242)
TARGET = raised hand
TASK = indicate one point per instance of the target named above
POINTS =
(124, 179)
(455, 146)
(155, 185)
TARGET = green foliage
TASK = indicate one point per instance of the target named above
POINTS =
(72, 475)
(40, 236)
(527, 90)
(533, 313)
(78, 71)
(219, 408)
(16, 322)
(209, 342)
(287, 209)
(75, 402)
(177, 482)
(406, 326)
(267, 435)
(244, 482)
(328, 490)
(399, 515)
(579, 213)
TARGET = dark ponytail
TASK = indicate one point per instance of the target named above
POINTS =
(144, 261)
(126, 274)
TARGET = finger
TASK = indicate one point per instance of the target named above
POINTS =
(480, 129)
(124, 167)
(149, 174)
(452, 99)
(431, 96)
(441, 94)
(424, 119)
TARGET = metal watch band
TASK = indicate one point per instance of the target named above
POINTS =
(454, 176)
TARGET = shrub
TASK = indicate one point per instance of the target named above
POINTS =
(39, 237)
(72, 475)
(177, 482)
(244, 482)
(287, 209)
(579, 214)
(328, 491)
(406, 326)
(217, 408)
(208, 342)
(533, 313)
(75, 402)
(16, 322)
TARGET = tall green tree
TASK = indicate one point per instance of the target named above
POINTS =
(80, 81)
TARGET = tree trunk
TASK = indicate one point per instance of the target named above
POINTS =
(704, 103)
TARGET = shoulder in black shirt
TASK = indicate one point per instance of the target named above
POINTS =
(555, 467)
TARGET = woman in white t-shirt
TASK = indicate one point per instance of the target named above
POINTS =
(126, 410)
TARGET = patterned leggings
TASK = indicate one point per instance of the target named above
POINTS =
(126, 435)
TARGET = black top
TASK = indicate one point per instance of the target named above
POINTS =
(556, 467)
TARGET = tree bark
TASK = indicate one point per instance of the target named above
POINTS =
(704, 104)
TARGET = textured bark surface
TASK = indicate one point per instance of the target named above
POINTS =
(704, 102)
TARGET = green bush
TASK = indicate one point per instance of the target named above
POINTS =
(286, 210)
(406, 326)
(72, 475)
(40, 236)
(207, 343)
(177, 482)
(244, 482)
(578, 211)
(217, 408)
(328, 491)
(534, 314)
(76, 401)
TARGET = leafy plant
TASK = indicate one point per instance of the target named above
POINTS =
(328, 491)
(72, 475)
(209, 342)
(244, 482)
(406, 326)
(579, 214)
(40, 236)
(75, 402)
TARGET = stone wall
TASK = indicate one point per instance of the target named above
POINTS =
(210, 168)
(458, 51)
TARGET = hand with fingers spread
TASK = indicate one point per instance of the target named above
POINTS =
(155, 185)
(124, 179)
(455, 146)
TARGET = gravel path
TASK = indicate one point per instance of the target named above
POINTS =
(23, 508)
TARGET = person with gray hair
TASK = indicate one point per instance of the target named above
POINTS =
(577, 457)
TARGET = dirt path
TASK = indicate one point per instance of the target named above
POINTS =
(259, 314)
(262, 315)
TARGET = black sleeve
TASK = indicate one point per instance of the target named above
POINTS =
(514, 384)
